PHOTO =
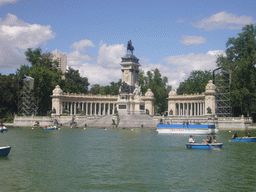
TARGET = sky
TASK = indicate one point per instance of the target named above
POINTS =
(176, 37)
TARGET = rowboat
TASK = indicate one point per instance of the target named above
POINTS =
(186, 129)
(2, 129)
(245, 139)
(204, 145)
(51, 128)
(4, 151)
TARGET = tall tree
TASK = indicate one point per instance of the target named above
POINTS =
(195, 83)
(74, 82)
(157, 84)
(46, 77)
(241, 59)
(8, 96)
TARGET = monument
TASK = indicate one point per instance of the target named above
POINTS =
(130, 95)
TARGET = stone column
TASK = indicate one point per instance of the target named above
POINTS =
(104, 109)
(108, 108)
(86, 108)
(100, 108)
(91, 108)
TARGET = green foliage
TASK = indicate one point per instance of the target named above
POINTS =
(75, 83)
(95, 89)
(8, 97)
(34, 57)
(157, 84)
(22, 71)
(195, 83)
(112, 89)
(241, 59)
(46, 77)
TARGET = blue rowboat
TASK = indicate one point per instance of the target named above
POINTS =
(53, 128)
(245, 139)
(204, 146)
(4, 151)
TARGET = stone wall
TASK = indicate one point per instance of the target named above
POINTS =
(30, 121)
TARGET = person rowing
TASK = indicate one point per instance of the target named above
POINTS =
(191, 139)
(234, 136)
(208, 140)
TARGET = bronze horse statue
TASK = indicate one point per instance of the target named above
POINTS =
(130, 47)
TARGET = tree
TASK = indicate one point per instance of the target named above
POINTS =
(241, 59)
(46, 77)
(195, 83)
(95, 89)
(74, 82)
(8, 96)
(112, 89)
(157, 84)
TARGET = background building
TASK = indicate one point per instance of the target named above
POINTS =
(62, 59)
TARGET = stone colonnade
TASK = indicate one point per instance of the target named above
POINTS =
(74, 104)
(87, 108)
(190, 109)
(193, 105)
(83, 104)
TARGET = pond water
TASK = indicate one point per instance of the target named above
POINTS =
(122, 160)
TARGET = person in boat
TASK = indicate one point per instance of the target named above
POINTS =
(248, 134)
(234, 136)
(208, 140)
(245, 135)
(191, 139)
(214, 139)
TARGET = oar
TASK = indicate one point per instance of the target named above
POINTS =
(211, 146)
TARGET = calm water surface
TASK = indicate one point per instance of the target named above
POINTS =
(122, 160)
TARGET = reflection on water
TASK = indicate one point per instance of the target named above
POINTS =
(122, 160)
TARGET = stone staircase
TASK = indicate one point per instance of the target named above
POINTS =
(122, 121)
(136, 121)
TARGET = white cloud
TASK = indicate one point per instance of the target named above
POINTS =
(110, 56)
(97, 74)
(7, 1)
(102, 70)
(180, 66)
(16, 36)
(80, 45)
(75, 58)
(223, 20)
(192, 40)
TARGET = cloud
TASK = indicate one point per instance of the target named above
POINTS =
(223, 20)
(7, 1)
(75, 58)
(80, 45)
(110, 56)
(97, 74)
(192, 40)
(180, 66)
(102, 69)
(16, 36)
